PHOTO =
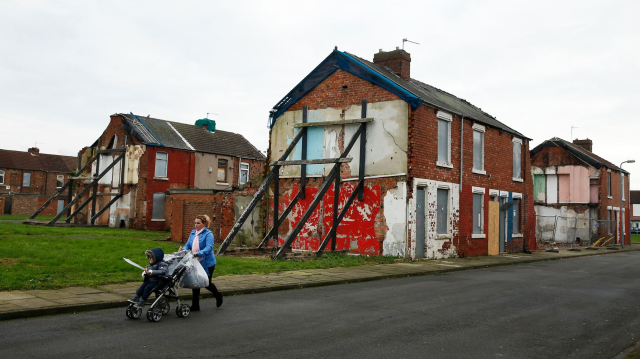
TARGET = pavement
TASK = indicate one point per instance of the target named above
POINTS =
(32, 303)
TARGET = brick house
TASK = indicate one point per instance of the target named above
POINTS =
(576, 193)
(441, 176)
(164, 156)
(29, 179)
(635, 212)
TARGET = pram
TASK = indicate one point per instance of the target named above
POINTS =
(167, 289)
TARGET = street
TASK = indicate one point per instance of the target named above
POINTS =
(580, 308)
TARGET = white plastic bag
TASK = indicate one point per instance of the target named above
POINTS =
(194, 276)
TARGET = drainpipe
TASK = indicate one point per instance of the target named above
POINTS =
(461, 147)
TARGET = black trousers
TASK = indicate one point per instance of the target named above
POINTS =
(146, 288)
(195, 302)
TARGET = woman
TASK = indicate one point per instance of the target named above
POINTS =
(201, 245)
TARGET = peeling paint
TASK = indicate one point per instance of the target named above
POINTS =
(395, 214)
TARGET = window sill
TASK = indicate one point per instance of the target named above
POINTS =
(443, 236)
(517, 235)
(158, 220)
(479, 172)
(517, 179)
(479, 235)
(161, 178)
(609, 197)
(444, 164)
(222, 183)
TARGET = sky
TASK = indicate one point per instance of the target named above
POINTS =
(545, 68)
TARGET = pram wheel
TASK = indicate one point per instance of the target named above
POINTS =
(165, 307)
(154, 314)
(183, 310)
(133, 312)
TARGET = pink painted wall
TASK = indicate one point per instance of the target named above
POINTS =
(573, 182)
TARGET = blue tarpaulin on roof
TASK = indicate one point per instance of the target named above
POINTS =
(339, 60)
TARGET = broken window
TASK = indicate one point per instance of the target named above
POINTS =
(442, 211)
(517, 159)
(162, 159)
(444, 139)
(516, 216)
(478, 147)
(26, 179)
(477, 213)
(59, 181)
(222, 171)
(244, 173)
(157, 212)
(1, 176)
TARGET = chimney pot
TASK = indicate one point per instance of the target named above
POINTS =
(398, 61)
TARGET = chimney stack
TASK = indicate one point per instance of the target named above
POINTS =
(587, 144)
(398, 61)
(34, 151)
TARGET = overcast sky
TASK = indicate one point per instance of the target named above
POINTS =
(540, 67)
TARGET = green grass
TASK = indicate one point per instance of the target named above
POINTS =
(40, 257)
(635, 238)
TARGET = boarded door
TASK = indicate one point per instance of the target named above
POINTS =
(7, 205)
(494, 229)
(420, 223)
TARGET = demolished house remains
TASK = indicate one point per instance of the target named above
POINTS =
(366, 159)
(577, 194)
(148, 173)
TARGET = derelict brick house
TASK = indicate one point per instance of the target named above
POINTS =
(634, 223)
(441, 176)
(161, 157)
(577, 193)
(29, 179)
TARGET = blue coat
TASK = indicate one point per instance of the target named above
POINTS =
(206, 248)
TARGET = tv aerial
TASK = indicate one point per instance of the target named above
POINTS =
(406, 40)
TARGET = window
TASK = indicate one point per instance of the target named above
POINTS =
(244, 173)
(157, 212)
(1, 176)
(59, 181)
(26, 179)
(162, 158)
(477, 213)
(442, 225)
(517, 159)
(609, 184)
(222, 171)
(516, 216)
(444, 139)
(609, 224)
(478, 149)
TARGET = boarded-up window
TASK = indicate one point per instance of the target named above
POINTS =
(564, 188)
(609, 184)
(477, 213)
(539, 188)
(478, 150)
(244, 173)
(26, 179)
(222, 171)
(442, 226)
(59, 181)
(159, 200)
(516, 216)
(444, 133)
(162, 158)
(517, 159)
(1, 177)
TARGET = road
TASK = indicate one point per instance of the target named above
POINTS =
(576, 308)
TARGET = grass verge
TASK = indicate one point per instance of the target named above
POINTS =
(635, 238)
(40, 257)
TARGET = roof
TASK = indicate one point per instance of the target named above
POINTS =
(162, 133)
(578, 151)
(41, 162)
(413, 91)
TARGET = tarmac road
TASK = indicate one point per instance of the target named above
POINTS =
(579, 308)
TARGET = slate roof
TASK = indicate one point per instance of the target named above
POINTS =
(157, 132)
(578, 151)
(42, 162)
(413, 91)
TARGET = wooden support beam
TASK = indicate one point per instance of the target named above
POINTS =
(283, 216)
(303, 155)
(343, 212)
(363, 147)
(103, 152)
(333, 123)
(311, 162)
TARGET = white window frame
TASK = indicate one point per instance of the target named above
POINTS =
(481, 129)
(518, 141)
(159, 175)
(226, 171)
(2, 175)
(516, 195)
(153, 206)
(479, 190)
(62, 181)
(241, 170)
(448, 119)
(24, 174)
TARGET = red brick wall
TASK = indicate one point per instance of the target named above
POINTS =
(614, 201)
